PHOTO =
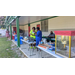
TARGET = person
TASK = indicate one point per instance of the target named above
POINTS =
(51, 35)
(32, 35)
(7, 33)
(14, 33)
(38, 36)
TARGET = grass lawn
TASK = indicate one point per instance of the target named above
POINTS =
(5, 49)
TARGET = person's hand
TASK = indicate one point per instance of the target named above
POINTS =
(35, 33)
(48, 36)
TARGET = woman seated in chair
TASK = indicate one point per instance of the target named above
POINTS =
(51, 35)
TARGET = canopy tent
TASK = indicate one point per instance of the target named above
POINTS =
(23, 20)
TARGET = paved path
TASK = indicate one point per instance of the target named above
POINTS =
(24, 49)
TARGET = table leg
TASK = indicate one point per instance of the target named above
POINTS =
(24, 48)
(31, 51)
(37, 49)
(28, 47)
(40, 54)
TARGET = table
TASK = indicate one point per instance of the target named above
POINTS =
(51, 39)
(49, 52)
(29, 43)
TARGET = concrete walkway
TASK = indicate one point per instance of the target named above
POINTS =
(36, 54)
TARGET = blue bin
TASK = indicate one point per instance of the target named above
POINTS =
(20, 40)
(16, 35)
(52, 44)
(52, 48)
(21, 37)
(15, 38)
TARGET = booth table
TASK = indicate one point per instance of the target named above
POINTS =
(29, 43)
(65, 43)
(51, 39)
(49, 52)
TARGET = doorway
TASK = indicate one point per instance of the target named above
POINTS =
(38, 25)
(14, 29)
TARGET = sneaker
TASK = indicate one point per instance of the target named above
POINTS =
(34, 47)
(31, 47)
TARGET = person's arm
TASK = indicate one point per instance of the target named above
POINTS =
(30, 32)
(38, 33)
(35, 33)
(49, 35)
(52, 36)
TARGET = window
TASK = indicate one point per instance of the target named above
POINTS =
(44, 26)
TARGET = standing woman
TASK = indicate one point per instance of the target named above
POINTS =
(7, 33)
(32, 35)
(38, 36)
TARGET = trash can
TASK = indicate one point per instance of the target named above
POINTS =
(15, 37)
(21, 40)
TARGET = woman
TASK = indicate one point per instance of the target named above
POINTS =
(14, 33)
(7, 33)
(51, 35)
(38, 36)
(32, 35)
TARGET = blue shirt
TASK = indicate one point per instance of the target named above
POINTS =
(38, 37)
(52, 35)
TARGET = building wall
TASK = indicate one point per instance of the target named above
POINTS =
(62, 23)
(21, 27)
(34, 25)
(26, 30)
(12, 27)
(57, 23)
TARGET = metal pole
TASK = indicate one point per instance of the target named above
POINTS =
(7, 27)
(18, 33)
(11, 31)
(55, 43)
(69, 46)
(28, 25)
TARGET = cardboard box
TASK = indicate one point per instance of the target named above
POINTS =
(45, 46)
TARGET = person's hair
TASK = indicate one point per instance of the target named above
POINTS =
(38, 28)
(51, 31)
(33, 28)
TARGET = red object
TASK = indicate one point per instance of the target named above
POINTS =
(13, 37)
(66, 33)
(38, 25)
(42, 46)
(14, 29)
(29, 30)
